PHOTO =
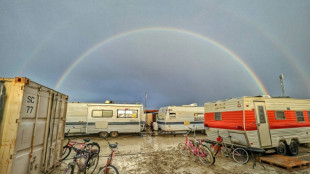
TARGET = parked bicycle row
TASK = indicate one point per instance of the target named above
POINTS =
(86, 157)
(206, 151)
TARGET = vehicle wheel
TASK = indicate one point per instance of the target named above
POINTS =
(92, 163)
(293, 148)
(103, 134)
(114, 134)
(240, 156)
(94, 147)
(183, 149)
(111, 170)
(205, 155)
(66, 150)
(281, 149)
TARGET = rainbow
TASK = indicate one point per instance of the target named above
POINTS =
(181, 31)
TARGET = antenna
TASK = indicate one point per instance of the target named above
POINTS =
(145, 99)
(282, 85)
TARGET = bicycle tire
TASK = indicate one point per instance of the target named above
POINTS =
(191, 147)
(216, 148)
(92, 163)
(205, 155)
(66, 150)
(240, 155)
(184, 149)
(111, 168)
(69, 169)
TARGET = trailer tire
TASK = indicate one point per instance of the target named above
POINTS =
(293, 148)
(114, 134)
(281, 149)
(103, 134)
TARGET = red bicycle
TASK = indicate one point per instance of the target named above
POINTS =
(78, 145)
(109, 168)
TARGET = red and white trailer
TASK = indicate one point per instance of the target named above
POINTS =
(261, 122)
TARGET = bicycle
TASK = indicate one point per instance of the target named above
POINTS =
(70, 144)
(109, 168)
(85, 159)
(197, 148)
(239, 154)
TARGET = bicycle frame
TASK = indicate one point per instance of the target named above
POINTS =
(110, 158)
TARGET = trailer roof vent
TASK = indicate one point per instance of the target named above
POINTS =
(109, 102)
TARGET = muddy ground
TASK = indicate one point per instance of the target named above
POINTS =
(159, 154)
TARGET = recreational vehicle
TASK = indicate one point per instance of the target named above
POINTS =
(180, 118)
(262, 122)
(104, 118)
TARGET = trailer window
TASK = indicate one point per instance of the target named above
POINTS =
(102, 113)
(127, 113)
(300, 116)
(261, 114)
(218, 116)
(280, 115)
(172, 115)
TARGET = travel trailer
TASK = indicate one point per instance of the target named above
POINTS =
(180, 118)
(261, 122)
(104, 118)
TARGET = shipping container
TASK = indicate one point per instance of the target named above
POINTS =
(32, 121)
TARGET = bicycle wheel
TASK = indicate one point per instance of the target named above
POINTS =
(110, 170)
(66, 150)
(205, 155)
(183, 149)
(240, 155)
(92, 163)
(72, 169)
(216, 148)
(191, 147)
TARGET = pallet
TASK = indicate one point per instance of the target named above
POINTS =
(286, 162)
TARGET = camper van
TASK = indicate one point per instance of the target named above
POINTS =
(263, 122)
(104, 118)
(180, 118)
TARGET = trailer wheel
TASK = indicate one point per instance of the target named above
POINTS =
(293, 148)
(103, 134)
(114, 134)
(281, 149)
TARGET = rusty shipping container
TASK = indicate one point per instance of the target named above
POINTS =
(32, 121)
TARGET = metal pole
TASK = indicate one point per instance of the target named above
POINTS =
(282, 85)
(145, 99)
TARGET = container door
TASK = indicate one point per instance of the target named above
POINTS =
(262, 124)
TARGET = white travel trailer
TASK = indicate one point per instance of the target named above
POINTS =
(104, 118)
(180, 118)
(262, 122)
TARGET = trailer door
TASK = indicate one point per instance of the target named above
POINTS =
(262, 124)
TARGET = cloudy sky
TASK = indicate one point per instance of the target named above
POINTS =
(179, 52)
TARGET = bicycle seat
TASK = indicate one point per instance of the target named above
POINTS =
(113, 146)
(87, 140)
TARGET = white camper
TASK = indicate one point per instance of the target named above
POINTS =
(180, 118)
(104, 118)
(261, 122)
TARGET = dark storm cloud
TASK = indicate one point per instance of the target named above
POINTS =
(41, 40)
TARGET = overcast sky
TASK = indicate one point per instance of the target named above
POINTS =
(179, 52)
